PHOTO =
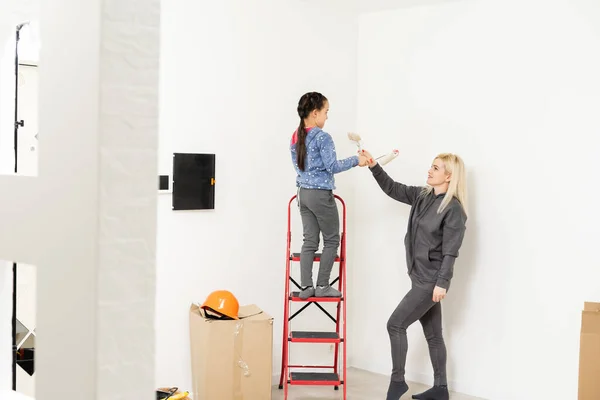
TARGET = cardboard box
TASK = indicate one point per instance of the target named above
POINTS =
(589, 353)
(231, 360)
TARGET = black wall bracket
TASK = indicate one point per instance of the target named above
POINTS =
(163, 182)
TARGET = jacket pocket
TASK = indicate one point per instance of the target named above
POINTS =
(424, 266)
(435, 256)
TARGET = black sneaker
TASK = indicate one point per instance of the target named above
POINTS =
(396, 390)
(435, 393)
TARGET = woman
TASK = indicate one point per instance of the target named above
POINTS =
(435, 233)
(314, 158)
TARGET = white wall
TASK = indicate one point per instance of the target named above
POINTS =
(513, 87)
(232, 74)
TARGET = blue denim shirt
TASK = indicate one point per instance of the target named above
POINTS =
(321, 161)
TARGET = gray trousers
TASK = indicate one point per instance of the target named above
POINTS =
(319, 213)
(418, 305)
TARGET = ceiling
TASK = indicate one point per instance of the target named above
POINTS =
(378, 5)
(366, 6)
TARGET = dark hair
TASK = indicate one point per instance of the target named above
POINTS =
(308, 103)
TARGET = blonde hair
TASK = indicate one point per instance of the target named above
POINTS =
(457, 188)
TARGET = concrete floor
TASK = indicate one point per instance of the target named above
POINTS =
(363, 386)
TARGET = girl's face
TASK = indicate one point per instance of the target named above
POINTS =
(320, 116)
(437, 174)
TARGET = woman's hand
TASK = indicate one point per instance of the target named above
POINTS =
(438, 294)
(371, 161)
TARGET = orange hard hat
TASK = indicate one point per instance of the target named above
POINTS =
(222, 302)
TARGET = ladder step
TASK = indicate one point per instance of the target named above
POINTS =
(315, 337)
(296, 257)
(296, 297)
(315, 378)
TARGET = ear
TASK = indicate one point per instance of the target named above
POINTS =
(448, 178)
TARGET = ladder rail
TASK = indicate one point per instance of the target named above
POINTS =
(286, 312)
(342, 286)
(343, 281)
(345, 378)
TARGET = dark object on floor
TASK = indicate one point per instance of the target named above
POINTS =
(165, 393)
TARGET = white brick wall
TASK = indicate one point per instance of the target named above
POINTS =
(128, 195)
(88, 221)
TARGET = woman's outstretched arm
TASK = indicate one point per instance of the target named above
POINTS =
(396, 190)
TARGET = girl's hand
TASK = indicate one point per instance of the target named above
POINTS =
(362, 161)
(438, 294)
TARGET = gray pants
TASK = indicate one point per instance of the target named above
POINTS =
(319, 213)
(418, 305)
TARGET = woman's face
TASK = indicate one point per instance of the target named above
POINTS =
(437, 174)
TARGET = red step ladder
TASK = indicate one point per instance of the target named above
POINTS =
(337, 376)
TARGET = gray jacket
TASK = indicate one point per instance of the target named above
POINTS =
(432, 240)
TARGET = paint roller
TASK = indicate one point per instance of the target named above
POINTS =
(382, 160)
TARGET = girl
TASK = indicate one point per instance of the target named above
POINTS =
(314, 158)
(435, 233)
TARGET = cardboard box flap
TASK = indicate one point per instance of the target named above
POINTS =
(590, 323)
(250, 312)
(254, 311)
(590, 319)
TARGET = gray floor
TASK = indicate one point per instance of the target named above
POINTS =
(363, 386)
